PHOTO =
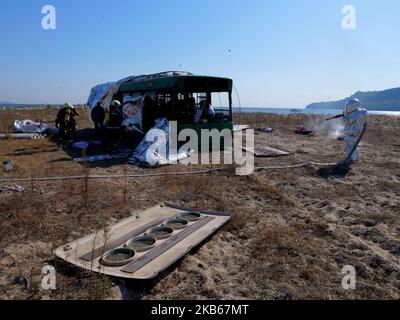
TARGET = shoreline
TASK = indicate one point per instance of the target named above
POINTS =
(236, 110)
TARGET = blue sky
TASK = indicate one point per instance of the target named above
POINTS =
(283, 53)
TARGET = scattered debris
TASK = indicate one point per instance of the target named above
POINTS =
(129, 249)
(303, 131)
(267, 130)
(8, 165)
(240, 127)
(82, 145)
(22, 136)
(9, 188)
(29, 126)
(103, 157)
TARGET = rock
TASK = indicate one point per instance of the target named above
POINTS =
(370, 223)
(8, 261)
(20, 280)
(342, 213)
(376, 262)
(115, 294)
(120, 291)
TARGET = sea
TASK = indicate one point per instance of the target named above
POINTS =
(307, 111)
(235, 109)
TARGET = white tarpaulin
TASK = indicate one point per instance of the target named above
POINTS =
(29, 126)
(104, 93)
(153, 151)
(133, 113)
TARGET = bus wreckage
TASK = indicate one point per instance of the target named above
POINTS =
(169, 101)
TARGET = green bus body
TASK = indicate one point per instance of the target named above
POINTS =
(179, 84)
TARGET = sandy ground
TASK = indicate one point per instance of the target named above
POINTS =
(292, 233)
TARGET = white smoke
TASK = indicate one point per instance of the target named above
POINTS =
(332, 129)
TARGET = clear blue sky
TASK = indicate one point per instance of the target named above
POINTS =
(283, 52)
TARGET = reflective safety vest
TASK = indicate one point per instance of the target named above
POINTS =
(107, 115)
(68, 114)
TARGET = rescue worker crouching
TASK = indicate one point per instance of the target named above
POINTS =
(66, 122)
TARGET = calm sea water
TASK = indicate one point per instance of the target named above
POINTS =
(305, 111)
(244, 109)
(26, 106)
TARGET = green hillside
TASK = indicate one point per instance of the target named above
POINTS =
(387, 100)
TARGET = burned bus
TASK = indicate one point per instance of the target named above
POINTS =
(193, 101)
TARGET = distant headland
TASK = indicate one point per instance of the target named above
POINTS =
(387, 100)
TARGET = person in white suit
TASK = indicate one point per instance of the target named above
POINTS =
(356, 121)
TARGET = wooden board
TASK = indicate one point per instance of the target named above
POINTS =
(88, 251)
(266, 152)
(240, 127)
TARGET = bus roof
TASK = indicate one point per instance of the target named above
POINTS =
(180, 81)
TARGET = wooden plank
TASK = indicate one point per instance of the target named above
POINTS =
(265, 152)
(214, 213)
(166, 245)
(96, 253)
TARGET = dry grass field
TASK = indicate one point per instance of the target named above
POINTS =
(292, 233)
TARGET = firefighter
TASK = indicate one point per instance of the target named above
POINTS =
(114, 118)
(66, 121)
(98, 115)
(356, 121)
(115, 115)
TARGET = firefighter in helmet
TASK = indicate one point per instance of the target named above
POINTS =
(115, 116)
(66, 121)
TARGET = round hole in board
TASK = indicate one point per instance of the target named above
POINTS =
(191, 216)
(160, 233)
(118, 257)
(140, 244)
(177, 223)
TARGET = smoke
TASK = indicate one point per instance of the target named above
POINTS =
(332, 129)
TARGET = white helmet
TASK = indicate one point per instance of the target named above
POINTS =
(68, 105)
(351, 106)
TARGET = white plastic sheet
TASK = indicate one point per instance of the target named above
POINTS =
(133, 113)
(153, 151)
(16, 188)
(29, 126)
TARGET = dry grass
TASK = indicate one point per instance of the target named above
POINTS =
(278, 245)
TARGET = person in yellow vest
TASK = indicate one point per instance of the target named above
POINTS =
(113, 125)
(115, 116)
(106, 115)
(66, 121)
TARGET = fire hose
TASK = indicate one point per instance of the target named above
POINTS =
(182, 173)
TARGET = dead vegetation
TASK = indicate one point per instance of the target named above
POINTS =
(292, 232)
